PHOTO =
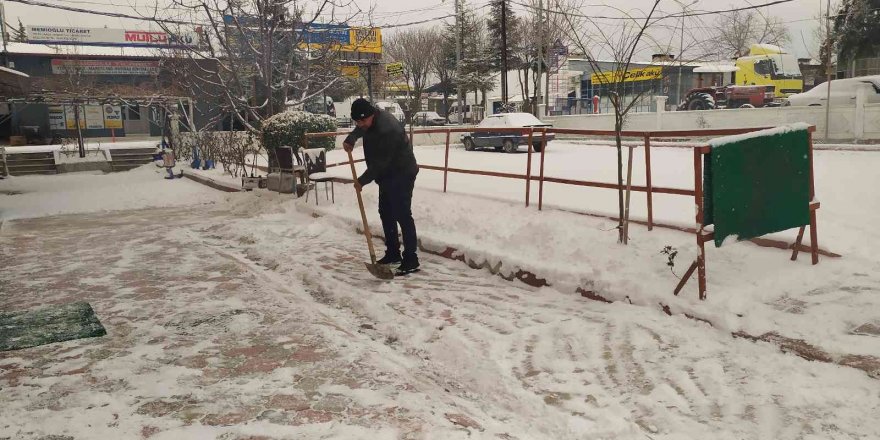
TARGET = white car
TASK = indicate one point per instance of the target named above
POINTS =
(504, 140)
(429, 118)
(393, 108)
(843, 93)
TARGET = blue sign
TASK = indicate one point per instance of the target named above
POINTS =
(317, 33)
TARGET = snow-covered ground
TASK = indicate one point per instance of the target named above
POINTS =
(38, 196)
(450, 352)
(750, 288)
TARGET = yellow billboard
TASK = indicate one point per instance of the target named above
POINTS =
(365, 40)
(394, 68)
(112, 116)
(71, 119)
(643, 74)
(350, 71)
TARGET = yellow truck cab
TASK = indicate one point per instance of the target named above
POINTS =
(767, 64)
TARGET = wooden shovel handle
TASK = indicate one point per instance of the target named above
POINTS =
(363, 214)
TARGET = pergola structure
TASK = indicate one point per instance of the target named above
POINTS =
(166, 102)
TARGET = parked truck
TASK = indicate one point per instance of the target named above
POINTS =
(770, 65)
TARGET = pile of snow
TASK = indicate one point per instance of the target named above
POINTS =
(142, 187)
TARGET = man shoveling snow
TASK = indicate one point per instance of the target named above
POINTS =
(392, 165)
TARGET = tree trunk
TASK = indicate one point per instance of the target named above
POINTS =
(618, 127)
(476, 100)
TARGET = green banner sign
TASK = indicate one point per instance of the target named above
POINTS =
(757, 184)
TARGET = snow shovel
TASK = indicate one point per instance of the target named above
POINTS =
(378, 270)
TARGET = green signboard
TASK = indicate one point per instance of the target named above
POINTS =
(758, 183)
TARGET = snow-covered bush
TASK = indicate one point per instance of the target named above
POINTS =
(290, 127)
(236, 151)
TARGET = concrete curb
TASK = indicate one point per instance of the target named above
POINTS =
(207, 181)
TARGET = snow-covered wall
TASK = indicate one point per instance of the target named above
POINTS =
(847, 123)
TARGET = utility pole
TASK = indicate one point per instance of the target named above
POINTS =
(547, 79)
(458, 37)
(680, 54)
(828, 69)
(540, 57)
(504, 52)
(370, 81)
(3, 33)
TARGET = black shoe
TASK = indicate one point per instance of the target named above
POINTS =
(389, 259)
(409, 266)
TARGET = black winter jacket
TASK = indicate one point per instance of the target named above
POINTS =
(387, 150)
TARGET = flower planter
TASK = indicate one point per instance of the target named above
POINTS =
(249, 183)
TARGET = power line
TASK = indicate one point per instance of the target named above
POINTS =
(695, 14)
(93, 12)
(187, 23)
(676, 15)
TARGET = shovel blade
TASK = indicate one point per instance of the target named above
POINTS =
(380, 271)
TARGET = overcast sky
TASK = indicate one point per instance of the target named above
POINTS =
(799, 15)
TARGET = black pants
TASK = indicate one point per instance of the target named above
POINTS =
(395, 207)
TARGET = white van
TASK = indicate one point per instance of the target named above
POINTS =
(843, 93)
(393, 108)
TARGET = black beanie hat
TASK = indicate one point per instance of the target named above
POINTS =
(361, 108)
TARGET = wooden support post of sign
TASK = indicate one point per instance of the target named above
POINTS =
(814, 206)
(685, 277)
(113, 134)
(702, 237)
(814, 236)
(814, 247)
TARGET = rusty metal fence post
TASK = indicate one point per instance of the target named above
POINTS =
(446, 162)
(541, 179)
(698, 195)
(529, 166)
(648, 185)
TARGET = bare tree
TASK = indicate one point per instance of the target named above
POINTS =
(475, 72)
(256, 56)
(618, 43)
(533, 47)
(820, 45)
(526, 56)
(415, 48)
(20, 34)
(443, 65)
(736, 31)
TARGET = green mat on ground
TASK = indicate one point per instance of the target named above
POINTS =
(56, 323)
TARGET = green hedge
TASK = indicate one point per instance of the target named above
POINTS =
(289, 128)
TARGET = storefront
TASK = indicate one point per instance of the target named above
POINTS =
(641, 82)
(111, 84)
